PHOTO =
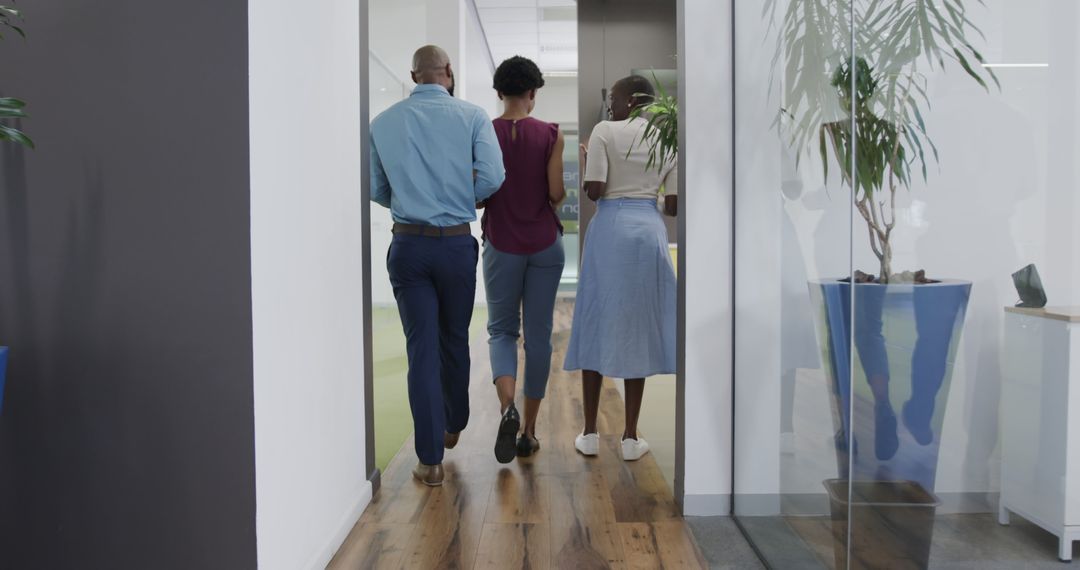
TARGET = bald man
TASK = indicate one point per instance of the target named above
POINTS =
(433, 158)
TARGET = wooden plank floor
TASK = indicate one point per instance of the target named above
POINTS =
(557, 509)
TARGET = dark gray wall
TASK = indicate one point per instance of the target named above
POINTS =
(615, 37)
(127, 437)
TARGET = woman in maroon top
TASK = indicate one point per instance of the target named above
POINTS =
(523, 255)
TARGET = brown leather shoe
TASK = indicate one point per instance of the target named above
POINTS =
(450, 440)
(430, 475)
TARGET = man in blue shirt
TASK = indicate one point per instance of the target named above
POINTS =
(433, 158)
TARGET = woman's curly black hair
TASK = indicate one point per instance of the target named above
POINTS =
(517, 76)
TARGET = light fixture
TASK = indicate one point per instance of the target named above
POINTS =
(1016, 65)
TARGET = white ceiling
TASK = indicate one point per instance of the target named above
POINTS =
(544, 31)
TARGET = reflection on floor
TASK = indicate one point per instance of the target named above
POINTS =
(960, 542)
(808, 455)
(555, 510)
(723, 544)
(804, 538)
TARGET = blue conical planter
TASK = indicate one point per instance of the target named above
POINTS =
(3, 373)
(889, 409)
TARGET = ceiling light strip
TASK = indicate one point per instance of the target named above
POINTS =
(1016, 65)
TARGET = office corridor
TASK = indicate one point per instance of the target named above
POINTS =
(557, 509)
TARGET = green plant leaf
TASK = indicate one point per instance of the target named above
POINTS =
(10, 107)
(661, 134)
(9, 112)
(8, 13)
(15, 135)
(967, 67)
(12, 102)
(894, 39)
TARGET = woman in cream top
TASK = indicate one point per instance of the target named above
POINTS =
(624, 314)
(618, 158)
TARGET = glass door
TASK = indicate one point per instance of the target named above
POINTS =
(906, 178)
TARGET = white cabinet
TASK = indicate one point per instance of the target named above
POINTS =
(1040, 421)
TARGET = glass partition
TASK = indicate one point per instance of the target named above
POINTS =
(570, 209)
(392, 421)
(909, 178)
(793, 235)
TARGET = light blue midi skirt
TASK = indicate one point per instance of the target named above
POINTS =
(624, 316)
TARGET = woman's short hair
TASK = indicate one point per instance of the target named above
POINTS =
(639, 87)
(517, 76)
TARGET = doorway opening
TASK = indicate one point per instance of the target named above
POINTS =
(557, 508)
(581, 47)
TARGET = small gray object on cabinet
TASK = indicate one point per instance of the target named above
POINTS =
(1030, 288)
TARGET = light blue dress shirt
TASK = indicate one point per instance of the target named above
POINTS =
(424, 151)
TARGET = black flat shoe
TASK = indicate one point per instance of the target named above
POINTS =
(505, 447)
(527, 446)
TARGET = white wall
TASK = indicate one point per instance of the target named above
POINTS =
(447, 21)
(307, 289)
(706, 205)
(477, 68)
(397, 28)
(478, 76)
(557, 102)
(758, 269)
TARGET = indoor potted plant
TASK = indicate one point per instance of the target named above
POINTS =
(904, 325)
(661, 138)
(661, 134)
(10, 108)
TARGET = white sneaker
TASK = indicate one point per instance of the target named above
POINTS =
(588, 444)
(633, 449)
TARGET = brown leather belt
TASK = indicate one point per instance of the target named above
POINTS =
(432, 231)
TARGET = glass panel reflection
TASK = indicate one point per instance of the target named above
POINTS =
(904, 399)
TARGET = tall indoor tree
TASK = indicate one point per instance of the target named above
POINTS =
(896, 43)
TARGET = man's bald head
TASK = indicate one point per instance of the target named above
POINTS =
(431, 64)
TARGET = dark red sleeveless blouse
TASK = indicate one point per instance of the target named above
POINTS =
(519, 219)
